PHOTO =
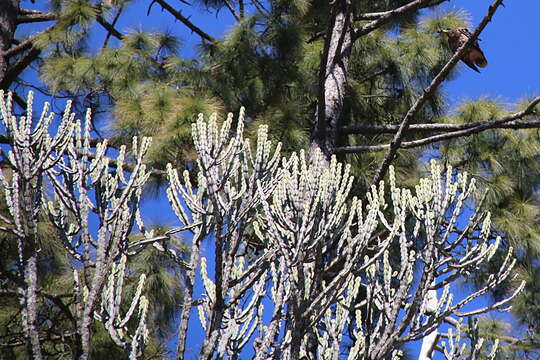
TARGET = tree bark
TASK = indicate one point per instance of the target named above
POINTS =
(333, 78)
(188, 299)
(8, 24)
(430, 341)
(28, 251)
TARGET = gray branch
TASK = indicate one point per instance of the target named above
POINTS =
(513, 121)
(184, 20)
(383, 18)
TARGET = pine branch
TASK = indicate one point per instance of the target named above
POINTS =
(19, 100)
(17, 68)
(316, 36)
(428, 92)
(508, 122)
(370, 16)
(113, 24)
(241, 8)
(28, 43)
(260, 7)
(31, 16)
(374, 75)
(186, 21)
(57, 300)
(387, 16)
(110, 28)
(416, 128)
(233, 12)
(30, 12)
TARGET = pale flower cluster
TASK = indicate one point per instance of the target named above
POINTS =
(300, 269)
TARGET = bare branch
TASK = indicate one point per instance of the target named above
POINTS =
(512, 121)
(439, 127)
(110, 28)
(14, 71)
(370, 16)
(383, 18)
(186, 21)
(113, 24)
(31, 16)
(27, 43)
(242, 8)
(428, 92)
(231, 9)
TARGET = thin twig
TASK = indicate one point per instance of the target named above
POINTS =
(374, 75)
(387, 16)
(186, 21)
(231, 9)
(260, 7)
(115, 19)
(110, 28)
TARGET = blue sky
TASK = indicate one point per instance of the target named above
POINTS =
(510, 43)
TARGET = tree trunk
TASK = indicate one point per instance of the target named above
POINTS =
(8, 23)
(429, 341)
(188, 298)
(31, 311)
(333, 78)
(28, 253)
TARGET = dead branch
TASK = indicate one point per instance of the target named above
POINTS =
(513, 121)
(184, 20)
(387, 16)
